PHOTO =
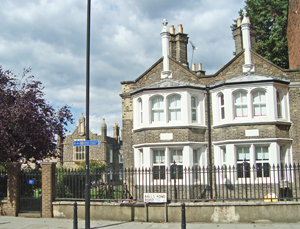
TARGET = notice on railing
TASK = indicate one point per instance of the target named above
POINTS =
(155, 197)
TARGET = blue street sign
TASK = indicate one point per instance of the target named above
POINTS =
(30, 182)
(86, 143)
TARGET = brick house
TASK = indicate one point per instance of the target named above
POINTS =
(109, 151)
(247, 112)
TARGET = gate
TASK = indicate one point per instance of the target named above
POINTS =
(31, 191)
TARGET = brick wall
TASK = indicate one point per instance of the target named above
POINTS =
(48, 189)
(13, 189)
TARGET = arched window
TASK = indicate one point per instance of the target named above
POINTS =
(222, 106)
(140, 110)
(158, 109)
(259, 103)
(194, 108)
(240, 104)
(174, 108)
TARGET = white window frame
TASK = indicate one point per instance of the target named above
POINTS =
(240, 162)
(140, 110)
(174, 107)
(79, 152)
(278, 104)
(194, 108)
(263, 161)
(243, 105)
(120, 159)
(161, 164)
(260, 104)
(221, 106)
(159, 109)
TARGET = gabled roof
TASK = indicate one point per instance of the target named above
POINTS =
(169, 84)
(251, 78)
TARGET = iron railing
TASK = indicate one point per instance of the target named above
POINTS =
(3, 184)
(260, 182)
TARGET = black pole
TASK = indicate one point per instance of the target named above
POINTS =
(75, 221)
(87, 157)
(183, 223)
(209, 139)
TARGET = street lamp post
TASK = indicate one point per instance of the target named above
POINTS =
(87, 157)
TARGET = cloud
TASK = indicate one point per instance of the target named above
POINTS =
(50, 37)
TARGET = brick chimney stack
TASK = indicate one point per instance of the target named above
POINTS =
(116, 131)
(238, 38)
(178, 45)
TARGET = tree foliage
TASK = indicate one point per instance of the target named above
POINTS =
(28, 123)
(270, 19)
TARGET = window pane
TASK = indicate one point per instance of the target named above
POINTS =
(256, 110)
(256, 97)
(259, 153)
(243, 98)
(262, 97)
(193, 102)
(265, 153)
(194, 118)
(178, 114)
(161, 115)
(245, 110)
(238, 98)
(238, 111)
(222, 113)
(263, 109)
(240, 155)
(222, 99)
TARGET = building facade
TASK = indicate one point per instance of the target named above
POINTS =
(246, 113)
(109, 151)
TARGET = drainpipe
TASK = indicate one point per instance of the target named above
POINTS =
(209, 138)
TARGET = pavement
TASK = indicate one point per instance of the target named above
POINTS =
(45, 223)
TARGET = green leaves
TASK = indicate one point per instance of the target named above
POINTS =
(270, 19)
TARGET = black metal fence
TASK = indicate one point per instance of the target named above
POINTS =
(260, 182)
(31, 190)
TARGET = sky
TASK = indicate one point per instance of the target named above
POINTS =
(49, 36)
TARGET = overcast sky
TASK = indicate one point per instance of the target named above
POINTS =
(49, 36)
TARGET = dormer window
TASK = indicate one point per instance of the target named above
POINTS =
(158, 109)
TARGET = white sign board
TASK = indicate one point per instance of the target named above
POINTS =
(155, 197)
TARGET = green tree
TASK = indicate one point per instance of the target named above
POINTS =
(270, 19)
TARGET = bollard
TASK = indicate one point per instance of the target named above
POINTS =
(75, 222)
(183, 224)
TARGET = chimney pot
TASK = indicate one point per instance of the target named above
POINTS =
(172, 29)
(200, 66)
(194, 67)
(180, 29)
(239, 22)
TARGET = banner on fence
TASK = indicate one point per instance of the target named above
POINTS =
(155, 197)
